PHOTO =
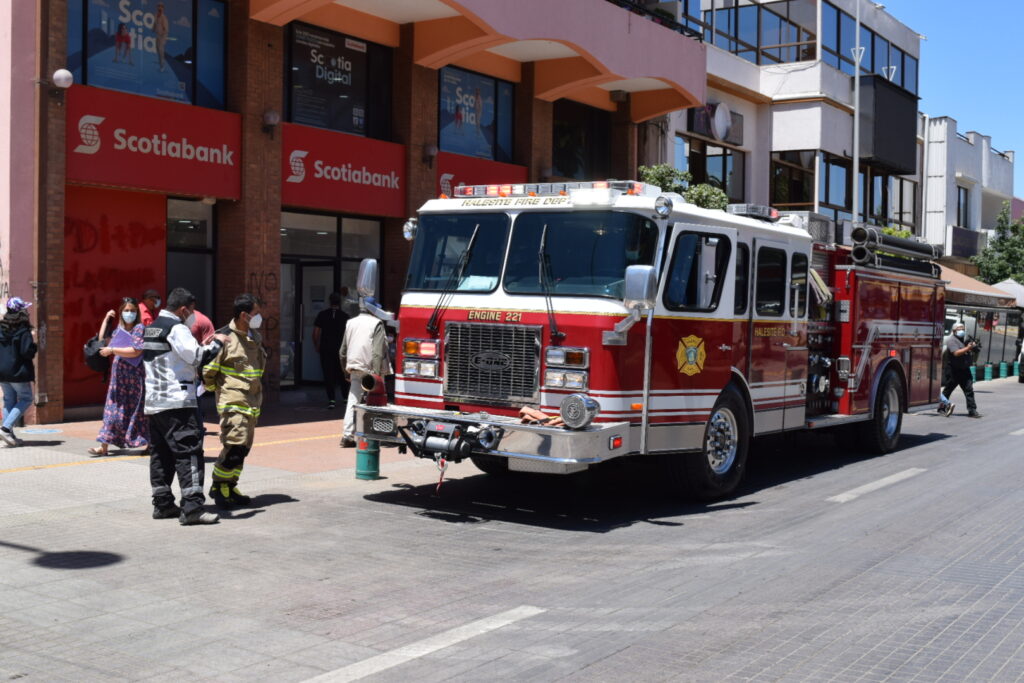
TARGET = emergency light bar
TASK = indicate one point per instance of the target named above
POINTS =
(630, 187)
(765, 213)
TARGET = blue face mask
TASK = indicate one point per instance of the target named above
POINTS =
(128, 317)
(959, 334)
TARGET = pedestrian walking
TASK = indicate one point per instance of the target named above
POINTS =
(328, 329)
(364, 350)
(17, 372)
(236, 374)
(124, 421)
(961, 357)
(172, 355)
(149, 306)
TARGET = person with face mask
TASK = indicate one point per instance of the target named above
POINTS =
(236, 374)
(961, 357)
(149, 306)
(124, 422)
(172, 357)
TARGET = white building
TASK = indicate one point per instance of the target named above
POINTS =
(968, 182)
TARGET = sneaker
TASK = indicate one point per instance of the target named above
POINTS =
(8, 437)
(348, 442)
(201, 517)
(942, 407)
(330, 405)
(166, 512)
(948, 408)
(239, 498)
(974, 413)
(220, 494)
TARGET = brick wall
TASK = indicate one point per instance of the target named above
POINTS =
(533, 127)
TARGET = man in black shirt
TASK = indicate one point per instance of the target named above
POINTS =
(328, 330)
(961, 357)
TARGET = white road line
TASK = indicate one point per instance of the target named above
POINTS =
(401, 655)
(1019, 432)
(875, 485)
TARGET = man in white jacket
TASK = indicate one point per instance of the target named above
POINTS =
(364, 351)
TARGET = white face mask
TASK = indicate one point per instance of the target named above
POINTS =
(128, 317)
(190, 320)
(158, 302)
(256, 321)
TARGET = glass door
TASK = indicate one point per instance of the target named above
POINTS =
(287, 355)
(317, 283)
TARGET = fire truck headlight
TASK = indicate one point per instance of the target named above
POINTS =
(411, 368)
(428, 369)
(567, 357)
(554, 378)
(576, 380)
(579, 410)
(663, 206)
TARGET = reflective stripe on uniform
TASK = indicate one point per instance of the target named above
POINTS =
(255, 373)
(245, 410)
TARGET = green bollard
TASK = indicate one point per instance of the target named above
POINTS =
(367, 458)
(988, 372)
(1003, 369)
(974, 373)
(1016, 368)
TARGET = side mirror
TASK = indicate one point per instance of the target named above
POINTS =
(366, 281)
(641, 287)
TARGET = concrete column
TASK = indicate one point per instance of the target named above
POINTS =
(248, 231)
(623, 144)
(533, 127)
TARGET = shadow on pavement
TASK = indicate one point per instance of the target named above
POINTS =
(70, 559)
(38, 443)
(257, 505)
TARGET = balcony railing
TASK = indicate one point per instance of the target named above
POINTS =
(658, 18)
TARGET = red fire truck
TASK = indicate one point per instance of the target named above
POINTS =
(641, 325)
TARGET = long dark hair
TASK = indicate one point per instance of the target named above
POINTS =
(13, 320)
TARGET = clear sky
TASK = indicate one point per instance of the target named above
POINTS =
(972, 67)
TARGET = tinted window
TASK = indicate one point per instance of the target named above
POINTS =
(770, 294)
(210, 23)
(742, 278)
(798, 286)
(443, 240)
(698, 271)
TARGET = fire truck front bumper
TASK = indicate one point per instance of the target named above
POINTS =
(455, 436)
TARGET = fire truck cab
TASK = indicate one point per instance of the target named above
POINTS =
(641, 325)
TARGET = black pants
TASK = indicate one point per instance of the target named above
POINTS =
(961, 377)
(333, 376)
(176, 439)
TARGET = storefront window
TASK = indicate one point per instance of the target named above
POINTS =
(581, 141)
(306, 234)
(475, 115)
(172, 49)
(792, 180)
(190, 255)
(329, 79)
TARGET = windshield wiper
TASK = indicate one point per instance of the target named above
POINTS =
(453, 282)
(545, 276)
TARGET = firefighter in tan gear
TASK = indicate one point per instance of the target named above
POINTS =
(236, 373)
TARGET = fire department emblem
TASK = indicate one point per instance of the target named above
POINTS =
(690, 355)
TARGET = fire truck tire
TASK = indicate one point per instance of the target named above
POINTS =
(715, 471)
(490, 464)
(881, 433)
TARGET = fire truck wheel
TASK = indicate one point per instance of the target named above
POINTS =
(490, 464)
(881, 433)
(716, 470)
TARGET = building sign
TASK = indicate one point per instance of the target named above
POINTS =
(338, 172)
(328, 79)
(130, 141)
(475, 115)
(454, 170)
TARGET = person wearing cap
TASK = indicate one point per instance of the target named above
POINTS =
(149, 306)
(17, 372)
(961, 357)
(364, 351)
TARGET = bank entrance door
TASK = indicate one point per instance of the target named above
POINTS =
(305, 288)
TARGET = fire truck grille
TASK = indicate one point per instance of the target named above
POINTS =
(492, 363)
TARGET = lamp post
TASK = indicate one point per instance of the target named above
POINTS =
(858, 56)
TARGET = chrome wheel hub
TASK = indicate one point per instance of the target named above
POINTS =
(720, 443)
(890, 411)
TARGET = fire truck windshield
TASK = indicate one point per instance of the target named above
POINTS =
(589, 251)
(441, 241)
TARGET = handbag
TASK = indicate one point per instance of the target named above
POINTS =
(93, 360)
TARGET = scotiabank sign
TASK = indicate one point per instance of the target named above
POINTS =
(455, 169)
(131, 141)
(323, 169)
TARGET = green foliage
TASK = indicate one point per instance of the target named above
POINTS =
(671, 179)
(1004, 256)
(897, 232)
(665, 176)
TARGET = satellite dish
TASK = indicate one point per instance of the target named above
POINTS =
(721, 121)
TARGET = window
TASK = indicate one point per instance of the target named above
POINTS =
(770, 294)
(742, 278)
(717, 165)
(698, 271)
(838, 30)
(963, 217)
(798, 286)
(329, 79)
(756, 33)
(442, 241)
(834, 187)
(190, 249)
(792, 180)
(902, 202)
(580, 144)
(475, 115)
(173, 49)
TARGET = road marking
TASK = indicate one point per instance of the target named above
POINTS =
(406, 653)
(1019, 432)
(875, 485)
(306, 438)
(72, 464)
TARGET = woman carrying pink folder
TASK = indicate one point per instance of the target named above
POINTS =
(124, 423)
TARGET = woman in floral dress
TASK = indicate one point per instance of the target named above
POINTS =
(124, 423)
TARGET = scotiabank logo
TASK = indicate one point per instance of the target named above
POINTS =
(89, 134)
(297, 165)
(155, 144)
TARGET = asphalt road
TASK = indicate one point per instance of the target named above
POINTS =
(828, 565)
